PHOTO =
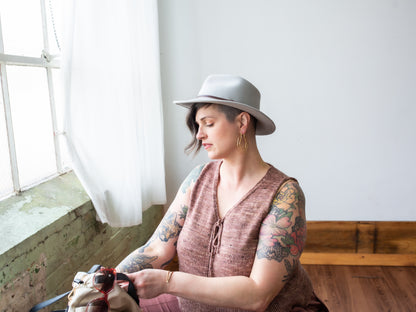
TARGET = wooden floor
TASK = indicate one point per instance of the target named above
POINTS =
(365, 288)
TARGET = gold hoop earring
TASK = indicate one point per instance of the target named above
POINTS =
(242, 142)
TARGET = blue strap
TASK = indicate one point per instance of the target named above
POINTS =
(46, 303)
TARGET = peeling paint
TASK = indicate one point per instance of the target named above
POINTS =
(26, 199)
(16, 225)
(74, 241)
(27, 287)
(42, 263)
(23, 215)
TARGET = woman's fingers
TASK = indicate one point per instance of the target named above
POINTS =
(149, 283)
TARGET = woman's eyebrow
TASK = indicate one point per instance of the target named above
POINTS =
(203, 118)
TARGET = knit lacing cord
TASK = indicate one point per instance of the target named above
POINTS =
(214, 242)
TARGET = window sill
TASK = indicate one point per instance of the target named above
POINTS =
(51, 231)
(23, 215)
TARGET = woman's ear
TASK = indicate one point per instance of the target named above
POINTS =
(244, 121)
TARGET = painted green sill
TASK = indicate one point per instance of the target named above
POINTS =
(49, 233)
(23, 215)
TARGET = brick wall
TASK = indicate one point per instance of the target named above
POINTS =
(44, 264)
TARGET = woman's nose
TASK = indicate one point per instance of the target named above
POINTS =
(200, 134)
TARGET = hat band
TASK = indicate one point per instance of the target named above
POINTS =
(215, 97)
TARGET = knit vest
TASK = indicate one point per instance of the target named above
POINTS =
(212, 246)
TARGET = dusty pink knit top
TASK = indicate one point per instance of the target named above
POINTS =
(211, 246)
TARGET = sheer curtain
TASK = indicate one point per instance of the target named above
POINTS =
(113, 106)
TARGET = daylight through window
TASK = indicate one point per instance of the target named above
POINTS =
(31, 148)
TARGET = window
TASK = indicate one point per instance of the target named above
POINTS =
(31, 148)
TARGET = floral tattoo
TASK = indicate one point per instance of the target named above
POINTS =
(283, 232)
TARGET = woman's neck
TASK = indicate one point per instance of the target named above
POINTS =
(243, 166)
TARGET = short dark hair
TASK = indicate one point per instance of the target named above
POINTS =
(230, 113)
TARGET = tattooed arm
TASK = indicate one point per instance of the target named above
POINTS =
(281, 241)
(161, 247)
(282, 236)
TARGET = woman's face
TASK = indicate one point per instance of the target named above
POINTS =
(217, 134)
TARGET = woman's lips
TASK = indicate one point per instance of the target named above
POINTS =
(206, 145)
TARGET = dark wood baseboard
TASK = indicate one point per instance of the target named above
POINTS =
(360, 243)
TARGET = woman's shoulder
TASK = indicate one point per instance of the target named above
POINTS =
(196, 173)
(279, 177)
(208, 166)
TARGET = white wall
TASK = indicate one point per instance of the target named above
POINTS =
(338, 78)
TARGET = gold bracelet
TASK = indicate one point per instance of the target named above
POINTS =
(169, 276)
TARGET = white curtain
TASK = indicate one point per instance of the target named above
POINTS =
(113, 105)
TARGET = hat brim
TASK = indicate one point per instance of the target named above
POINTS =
(264, 124)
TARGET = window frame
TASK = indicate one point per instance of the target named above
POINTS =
(48, 62)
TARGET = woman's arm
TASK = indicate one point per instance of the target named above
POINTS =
(281, 242)
(160, 249)
(282, 236)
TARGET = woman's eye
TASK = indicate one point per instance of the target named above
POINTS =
(209, 125)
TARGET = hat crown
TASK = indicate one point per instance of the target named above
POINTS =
(232, 88)
(233, 91)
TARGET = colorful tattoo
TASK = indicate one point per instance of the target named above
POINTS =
(297, 238)
(170, 227)
(191, 178)
(151, 240)
(290, 268)
(182, 214)
(273, 251)
(136, 261)
(283, 235)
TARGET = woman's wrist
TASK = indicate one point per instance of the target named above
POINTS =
(168, 278)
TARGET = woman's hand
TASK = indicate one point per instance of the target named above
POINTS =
(149, 283)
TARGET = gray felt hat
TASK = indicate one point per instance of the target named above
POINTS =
(236, 92)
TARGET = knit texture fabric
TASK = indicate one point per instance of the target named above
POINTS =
(212, 246)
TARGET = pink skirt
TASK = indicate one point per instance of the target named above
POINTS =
(162, 303)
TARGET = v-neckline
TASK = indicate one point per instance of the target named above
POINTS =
(238, 202)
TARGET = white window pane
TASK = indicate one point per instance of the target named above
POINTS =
(6, 184)
(59, 96)
(22, 27)
(29, 101)
(59, 106)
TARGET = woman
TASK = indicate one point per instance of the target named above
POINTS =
(237, 223)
